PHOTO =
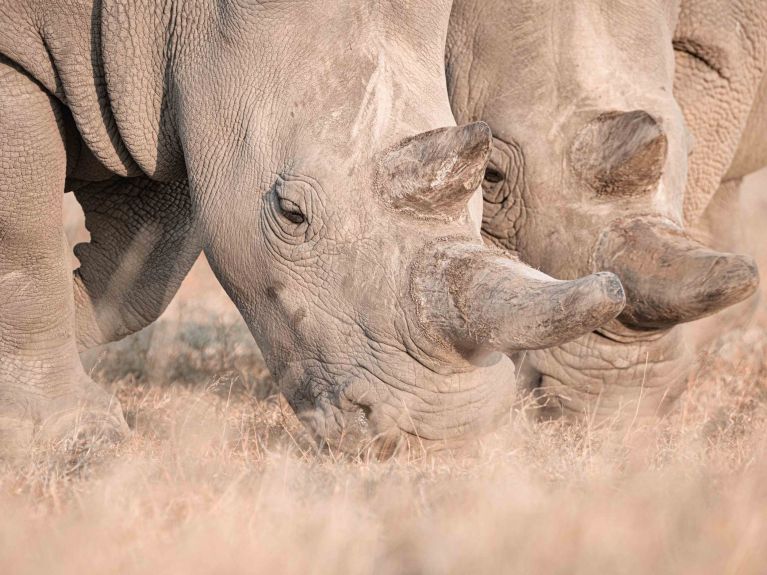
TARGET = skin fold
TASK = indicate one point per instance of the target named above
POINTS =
(621, 132)
(309, 150)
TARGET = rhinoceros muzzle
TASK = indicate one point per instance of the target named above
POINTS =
(669, 278)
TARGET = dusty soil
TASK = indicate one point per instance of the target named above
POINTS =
(218, 477)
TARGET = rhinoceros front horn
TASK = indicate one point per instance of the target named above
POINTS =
(669, 278)
(620, 153)
(480, 299)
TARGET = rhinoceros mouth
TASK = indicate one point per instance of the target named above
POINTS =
(618, 333)
(600, 374)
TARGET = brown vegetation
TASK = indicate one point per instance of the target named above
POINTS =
(218, 477)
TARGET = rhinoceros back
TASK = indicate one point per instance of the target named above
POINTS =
(96, 58)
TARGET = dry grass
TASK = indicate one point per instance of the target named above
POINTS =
(219, 478)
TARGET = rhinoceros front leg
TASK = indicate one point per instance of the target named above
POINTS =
(143, 243)
(44, 391)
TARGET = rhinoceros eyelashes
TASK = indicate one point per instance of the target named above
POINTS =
(434, 174)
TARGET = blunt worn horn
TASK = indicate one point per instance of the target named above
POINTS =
(478, 299)
(437, 172)
(620, 153)
(670, 278)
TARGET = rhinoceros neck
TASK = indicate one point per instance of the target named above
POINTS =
(106, 61)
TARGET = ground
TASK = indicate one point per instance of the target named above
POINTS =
(218, 476)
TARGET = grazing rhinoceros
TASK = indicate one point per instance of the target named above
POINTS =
(309, 149)
(589, 168)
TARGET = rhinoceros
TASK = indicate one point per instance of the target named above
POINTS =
(589, 169)
(309, 149)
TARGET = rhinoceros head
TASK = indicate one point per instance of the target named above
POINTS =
(378, 307)
(590, 162)
(588, 172)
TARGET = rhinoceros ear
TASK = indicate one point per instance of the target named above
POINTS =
(436, 173)
(620, 153)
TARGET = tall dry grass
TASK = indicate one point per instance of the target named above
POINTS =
(218, 477)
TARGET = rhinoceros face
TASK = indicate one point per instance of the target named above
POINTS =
(588, 172)
(341, 208)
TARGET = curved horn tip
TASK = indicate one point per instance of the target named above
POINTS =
(479, 131)
(740, 277)
(597, 299)
(611, 287)
(476, 141)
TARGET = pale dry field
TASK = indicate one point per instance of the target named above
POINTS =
(219, 478)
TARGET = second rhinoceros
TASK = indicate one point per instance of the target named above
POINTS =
(309, 149)
(589, 168)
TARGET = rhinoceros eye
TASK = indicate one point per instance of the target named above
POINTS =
(291, 211)
(288, 212)
(492, 175)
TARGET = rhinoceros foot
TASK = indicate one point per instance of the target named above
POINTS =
(85, 416)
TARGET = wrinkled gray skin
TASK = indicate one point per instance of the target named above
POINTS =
(721, 85)
(303, 146)
(595, 107)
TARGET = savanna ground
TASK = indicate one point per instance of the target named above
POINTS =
(218, 476)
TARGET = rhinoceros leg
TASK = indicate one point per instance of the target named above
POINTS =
(44, 391)
(143, 243)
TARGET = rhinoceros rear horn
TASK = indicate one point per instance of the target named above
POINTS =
(436, 172)
(620, 153)
(482, 300)
(670, 278)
